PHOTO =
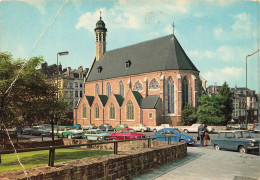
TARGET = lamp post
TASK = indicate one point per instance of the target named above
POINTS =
(57, 73)
(246, 82)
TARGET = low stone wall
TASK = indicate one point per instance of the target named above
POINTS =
(124, 165)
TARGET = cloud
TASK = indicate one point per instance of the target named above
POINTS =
(241, 28)
(231, 75)
(224, 53)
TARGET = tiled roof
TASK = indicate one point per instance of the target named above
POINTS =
(164, 53)
(90, 99)
(150, 102)
(138, 97)
(119, 99)
(103, 99)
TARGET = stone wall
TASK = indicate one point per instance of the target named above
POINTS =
(122, 166)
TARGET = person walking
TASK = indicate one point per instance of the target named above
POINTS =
(206, 135)
(201, 131)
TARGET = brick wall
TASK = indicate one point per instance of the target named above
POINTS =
(122, 166)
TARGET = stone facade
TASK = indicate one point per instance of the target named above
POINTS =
(122, 166)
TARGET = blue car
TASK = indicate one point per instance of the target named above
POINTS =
(174, 131)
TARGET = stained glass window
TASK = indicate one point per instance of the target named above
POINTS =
(170, 88)
(96, 111)
(84, 111)
(185, 91)
(121, 88)
(108, 89)
(154, 84)
(112, 111)
(130, 110)
(138, 86)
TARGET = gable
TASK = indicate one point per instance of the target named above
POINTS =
(164, 53)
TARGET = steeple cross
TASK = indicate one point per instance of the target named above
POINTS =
(173, 27)
(100, 14)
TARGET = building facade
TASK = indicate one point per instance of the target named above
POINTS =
(148, 83)
(70, 83)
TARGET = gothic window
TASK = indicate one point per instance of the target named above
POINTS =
(185, 91)
(121, 88)
(84, 111)
(112, 111)
(154, 84)
(97, 89)
(170, 88)
(138, 86)
(130, 110)
(108, 89)
(96, 111)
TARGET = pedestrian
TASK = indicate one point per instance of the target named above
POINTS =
(206, 135)
(201, 131)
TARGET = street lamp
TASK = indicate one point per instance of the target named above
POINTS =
(57, 73)
(246, 82)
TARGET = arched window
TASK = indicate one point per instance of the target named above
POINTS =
(97, 90)
(170, 88)
(130, 110)
(121, 88)
(154, 84)
(108, 89)
(111, 111)
(138, 86)
(185, 92)
(96, 111)
(84, 111)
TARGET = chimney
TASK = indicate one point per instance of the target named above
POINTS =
(80, 68)
(68, 70)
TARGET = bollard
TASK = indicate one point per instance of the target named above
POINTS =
(149, 142)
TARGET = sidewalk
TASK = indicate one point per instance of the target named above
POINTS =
(205, 163)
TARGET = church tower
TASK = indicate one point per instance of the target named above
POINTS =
(100, 31)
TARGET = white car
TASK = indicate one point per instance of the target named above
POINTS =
(157, 128)
(256, 128)
(140, 127)
(194, 128)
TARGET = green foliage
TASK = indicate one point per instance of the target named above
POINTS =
(210, 110)
(31, 99)
(189, 115)
(40, 158)
(228, 102)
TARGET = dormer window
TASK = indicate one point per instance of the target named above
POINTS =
(99, 69)
(128, 64)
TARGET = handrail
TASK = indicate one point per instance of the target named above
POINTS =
(52, 148)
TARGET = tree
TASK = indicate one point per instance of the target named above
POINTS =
(189, 115)
(210, 110)
(30, 99)
(228, 102)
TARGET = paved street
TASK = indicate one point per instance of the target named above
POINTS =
(205, 163)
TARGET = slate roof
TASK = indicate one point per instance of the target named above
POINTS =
(163, 53)
(119, 99)
(138, 97)
(103, 99)
(150, 102)
(90, 99)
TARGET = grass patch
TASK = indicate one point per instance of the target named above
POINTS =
(41, 158)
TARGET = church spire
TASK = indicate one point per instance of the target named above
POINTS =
(100, 31)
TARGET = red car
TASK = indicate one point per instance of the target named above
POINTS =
(126, 133)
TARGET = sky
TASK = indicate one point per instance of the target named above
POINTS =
(217, 35)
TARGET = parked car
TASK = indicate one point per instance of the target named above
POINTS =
(140, 127)
(240, 140)
(95, 134)
(166, 132)
(68, 133)
(106, 127)
(256, 128)
(126, 133)
(120, 126)
(25, 130)
(89, 126)
(194, 128)
(236, 126)
(39, 130)
(157, 128)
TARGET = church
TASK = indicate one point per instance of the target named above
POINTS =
(146, 83)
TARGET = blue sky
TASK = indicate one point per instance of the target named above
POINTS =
(217, 35)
